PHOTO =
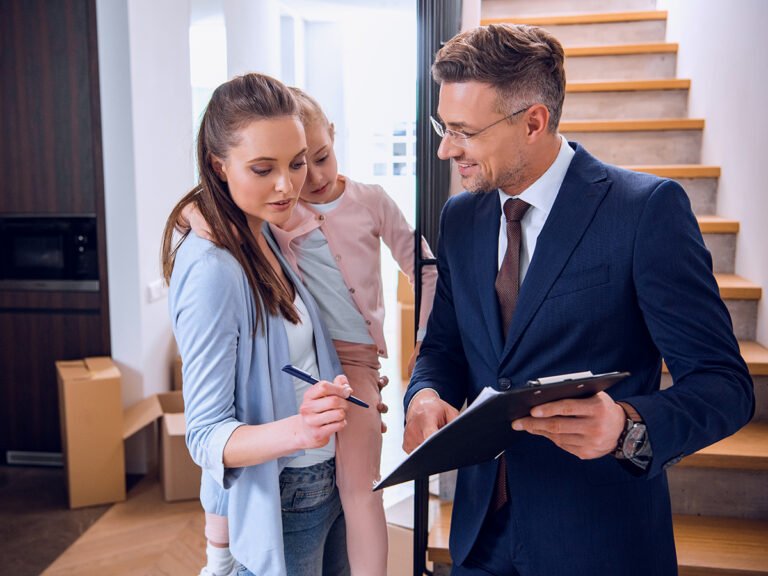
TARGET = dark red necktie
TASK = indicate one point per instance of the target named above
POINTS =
(507, 290)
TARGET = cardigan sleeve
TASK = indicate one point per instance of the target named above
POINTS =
(399, 237)
(207, 304)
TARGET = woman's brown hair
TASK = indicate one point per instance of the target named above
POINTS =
(234, 105)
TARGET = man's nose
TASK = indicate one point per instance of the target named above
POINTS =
(448, 149)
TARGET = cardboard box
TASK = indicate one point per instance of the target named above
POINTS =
(400, 532)
(406, 323)
(179, 475)
(400, 553)
(94, 427)
(90, 406)
(177, 377)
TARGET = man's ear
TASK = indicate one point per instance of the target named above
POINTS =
(218, 167)
(537, 120)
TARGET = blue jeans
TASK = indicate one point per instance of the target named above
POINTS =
(314, 534)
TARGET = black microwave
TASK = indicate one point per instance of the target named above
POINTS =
(48, 253)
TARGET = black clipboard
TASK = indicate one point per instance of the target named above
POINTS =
(483, 430)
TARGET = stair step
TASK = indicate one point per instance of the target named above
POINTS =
(639, 125)
(745, 450)
(437, 543)
(756, 357)
(593, 102)
(676, 171)
(699, 182)
(500, 8)
(675, 140)
(733, 287)
(705, 546)
(621, 62)
(726, 546)
(629, 85)
(754, 354)
(593, 28)
(717, 225)
(569, 19)
(621, 49)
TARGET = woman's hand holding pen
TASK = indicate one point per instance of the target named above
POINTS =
(323, 412)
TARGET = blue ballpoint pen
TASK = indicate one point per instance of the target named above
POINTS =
(301, 375)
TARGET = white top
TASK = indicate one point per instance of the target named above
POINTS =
(541, 196)
(325, 282)
(301, 347)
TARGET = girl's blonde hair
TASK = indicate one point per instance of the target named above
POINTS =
(309, 109)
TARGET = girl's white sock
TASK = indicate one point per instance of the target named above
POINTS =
(220, 560)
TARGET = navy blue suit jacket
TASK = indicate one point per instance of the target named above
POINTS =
(619, 279)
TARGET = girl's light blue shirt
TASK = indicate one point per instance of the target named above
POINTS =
(232, 376)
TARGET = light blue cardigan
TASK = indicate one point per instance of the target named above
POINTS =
(233, 377)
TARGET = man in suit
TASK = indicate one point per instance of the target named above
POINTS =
(553, 262)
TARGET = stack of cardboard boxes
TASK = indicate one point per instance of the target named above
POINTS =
(94, 426)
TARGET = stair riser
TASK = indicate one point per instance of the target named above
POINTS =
(447, 483)
(744, 317)
(723, 249)
(626, 105)
(761, 398)
(609, 33)
(651, 147)
(702, 192)
(719, 492)
(504, 8)
(620, 67)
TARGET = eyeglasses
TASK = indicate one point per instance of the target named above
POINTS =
(460, 138)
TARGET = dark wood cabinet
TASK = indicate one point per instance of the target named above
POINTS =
(50, 164)
(49, 126)
(29, 392)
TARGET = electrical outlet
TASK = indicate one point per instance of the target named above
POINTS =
(156, 290)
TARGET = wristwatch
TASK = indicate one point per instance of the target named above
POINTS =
(633, 444)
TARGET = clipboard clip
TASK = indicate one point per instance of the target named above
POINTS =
(560, 378)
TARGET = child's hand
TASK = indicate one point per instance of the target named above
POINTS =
(194, 219)
(323, 412)
(381, 407)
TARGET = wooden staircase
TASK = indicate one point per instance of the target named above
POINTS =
(624, 103)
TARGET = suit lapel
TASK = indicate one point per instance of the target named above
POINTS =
(485, 255)
(581, 193)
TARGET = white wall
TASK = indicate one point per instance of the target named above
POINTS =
(722, 50)
(253, 37)
(146, 107)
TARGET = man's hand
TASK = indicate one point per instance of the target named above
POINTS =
(588, 428)
(427, 413)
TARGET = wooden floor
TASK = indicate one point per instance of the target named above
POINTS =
(142, 536)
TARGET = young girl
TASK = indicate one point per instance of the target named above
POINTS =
(333, 241)
(239, 314)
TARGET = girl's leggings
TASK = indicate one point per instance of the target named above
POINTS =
(358, 459)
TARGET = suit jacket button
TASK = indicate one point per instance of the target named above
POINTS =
(505, 384)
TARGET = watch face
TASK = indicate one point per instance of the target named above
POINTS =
(634, 440)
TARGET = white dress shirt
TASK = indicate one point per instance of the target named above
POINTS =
(541, 196)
